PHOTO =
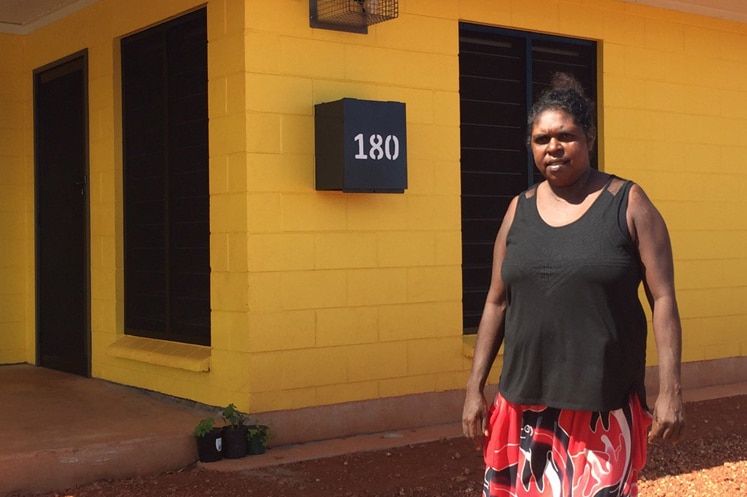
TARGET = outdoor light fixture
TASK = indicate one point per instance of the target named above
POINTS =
(353, 16)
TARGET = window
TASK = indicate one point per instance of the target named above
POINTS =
(501, 72)
(166, 197)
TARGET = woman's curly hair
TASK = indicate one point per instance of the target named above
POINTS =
(565, 94)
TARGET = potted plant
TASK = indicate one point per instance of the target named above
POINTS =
(209, 440)
(257, 437)
(234, 433)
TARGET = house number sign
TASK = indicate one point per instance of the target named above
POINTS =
(361, 146)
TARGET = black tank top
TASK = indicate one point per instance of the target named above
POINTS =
(575, 335)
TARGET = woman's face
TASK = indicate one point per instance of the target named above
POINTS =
(560, 147)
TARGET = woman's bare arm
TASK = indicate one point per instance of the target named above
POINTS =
(489, 340)
(655, 249)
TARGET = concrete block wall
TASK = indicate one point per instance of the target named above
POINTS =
(15, 228)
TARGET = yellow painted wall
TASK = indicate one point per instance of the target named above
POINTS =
(351, 297)
(675, 109)
(15, 231)
(323, 297)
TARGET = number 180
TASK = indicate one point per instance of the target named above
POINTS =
(380, 147)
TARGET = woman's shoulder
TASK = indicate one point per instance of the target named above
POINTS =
(617, 184)
(530, 192)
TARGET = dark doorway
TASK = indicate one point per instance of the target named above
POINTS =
(62, 257)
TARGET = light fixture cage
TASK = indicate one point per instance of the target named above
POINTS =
(351, 15)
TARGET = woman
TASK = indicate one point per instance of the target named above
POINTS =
(570, 416)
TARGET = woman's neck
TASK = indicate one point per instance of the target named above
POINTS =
(576, 192)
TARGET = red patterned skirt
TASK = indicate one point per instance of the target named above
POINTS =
(537, 451)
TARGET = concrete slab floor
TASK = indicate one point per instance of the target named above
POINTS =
(59, 430)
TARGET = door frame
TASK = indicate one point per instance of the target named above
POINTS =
(83, 56)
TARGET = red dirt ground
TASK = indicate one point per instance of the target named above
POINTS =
(711, 460)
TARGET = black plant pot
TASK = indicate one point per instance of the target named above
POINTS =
(234, 442)
(257, 443)
(209, 447)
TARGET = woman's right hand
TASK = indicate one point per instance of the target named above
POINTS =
(489, 339)
(474, 417)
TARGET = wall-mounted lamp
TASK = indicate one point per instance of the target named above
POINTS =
(353, 16)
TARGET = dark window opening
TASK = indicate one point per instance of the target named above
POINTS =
(166, 196)
(501, 73)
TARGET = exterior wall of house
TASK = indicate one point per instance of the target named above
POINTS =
(674, 106)
(15, 230)
(323, 298)
(351, 296)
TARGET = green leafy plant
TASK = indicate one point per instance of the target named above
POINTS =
(259, 432)
(204, 427)
(257, 438)
(233, 417)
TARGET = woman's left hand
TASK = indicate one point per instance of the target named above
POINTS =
(669, 419)
(655, 250)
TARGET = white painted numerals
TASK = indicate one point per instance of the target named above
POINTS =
(379, 147)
